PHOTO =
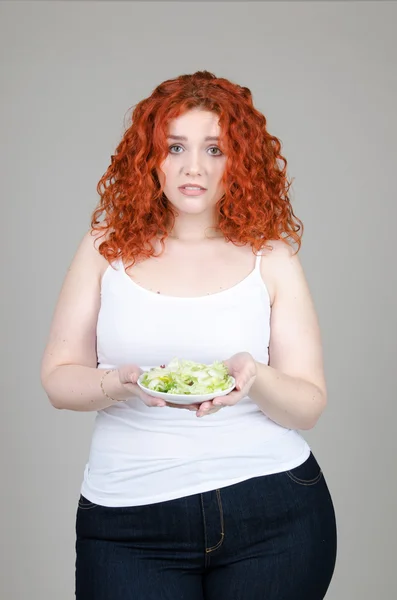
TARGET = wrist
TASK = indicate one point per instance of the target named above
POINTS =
(258, 367)
(112, 388)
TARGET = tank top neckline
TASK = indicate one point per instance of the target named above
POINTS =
(254, 273)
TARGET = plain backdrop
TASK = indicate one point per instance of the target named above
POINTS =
(325, 76)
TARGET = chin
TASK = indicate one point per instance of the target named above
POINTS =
(191, 206)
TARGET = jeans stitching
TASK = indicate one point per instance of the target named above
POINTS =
(205, 530)
(82, 507)
(306, 482)
(219, 544)
(90, 506)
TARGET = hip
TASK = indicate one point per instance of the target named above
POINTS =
(293, 506)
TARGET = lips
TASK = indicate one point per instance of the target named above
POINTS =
(198, 191)
(191, 185)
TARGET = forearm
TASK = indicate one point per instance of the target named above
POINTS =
(289, 401)
(76, 387)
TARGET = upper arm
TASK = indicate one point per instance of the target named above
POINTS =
(295, 342)
(72, 336)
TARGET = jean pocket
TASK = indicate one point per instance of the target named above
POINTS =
(308, 473)
(86, 504)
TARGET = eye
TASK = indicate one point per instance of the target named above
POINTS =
(215, 148)
(175, 146)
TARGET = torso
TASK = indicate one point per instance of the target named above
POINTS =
(190, 269)
(140, 457)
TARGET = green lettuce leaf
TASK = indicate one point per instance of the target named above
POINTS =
(188, 377)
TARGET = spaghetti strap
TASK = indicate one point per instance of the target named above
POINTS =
(118, 264)
(258, 261)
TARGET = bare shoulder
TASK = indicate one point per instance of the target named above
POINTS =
(278, 250)
(278, 262)
(88, 256)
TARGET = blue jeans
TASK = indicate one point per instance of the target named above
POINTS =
(271, 537)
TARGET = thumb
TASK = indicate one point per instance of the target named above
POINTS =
(134, 376)
(129, 373)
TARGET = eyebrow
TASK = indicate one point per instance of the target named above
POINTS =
(182, 138)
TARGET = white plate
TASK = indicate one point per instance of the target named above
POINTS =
(185, 398)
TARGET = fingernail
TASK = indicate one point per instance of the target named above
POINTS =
(217, 403)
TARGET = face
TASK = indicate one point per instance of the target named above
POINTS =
(194, 157)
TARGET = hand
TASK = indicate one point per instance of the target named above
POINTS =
(128, 377)
(242, 367)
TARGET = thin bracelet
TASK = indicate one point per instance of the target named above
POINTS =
(107, 395)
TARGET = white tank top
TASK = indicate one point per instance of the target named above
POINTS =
(141, 455)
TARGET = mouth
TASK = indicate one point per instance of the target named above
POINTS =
(191, 187)
(192, 191)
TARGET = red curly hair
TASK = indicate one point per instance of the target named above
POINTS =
(255, 207)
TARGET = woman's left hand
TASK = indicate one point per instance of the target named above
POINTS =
(242, 367)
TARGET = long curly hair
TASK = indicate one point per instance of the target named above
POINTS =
(255, 207)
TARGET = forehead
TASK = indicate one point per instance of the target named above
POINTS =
(195, 123)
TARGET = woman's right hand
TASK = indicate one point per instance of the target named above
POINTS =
(127, 384)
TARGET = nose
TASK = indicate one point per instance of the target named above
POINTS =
(193, 166)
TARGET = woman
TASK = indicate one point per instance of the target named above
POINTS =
(195, 259)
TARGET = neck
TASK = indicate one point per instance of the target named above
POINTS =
(194, 228)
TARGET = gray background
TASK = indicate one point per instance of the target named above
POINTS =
(324, 74)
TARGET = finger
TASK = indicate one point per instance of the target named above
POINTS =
(205, 408)
(240, 383)
(205, 413)
(228, 400)
(185, 406)
(150, 400)
(206, 405)
(154, 402)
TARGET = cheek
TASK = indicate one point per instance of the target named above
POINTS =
(220, 171)
(220, 186)
(168, 173)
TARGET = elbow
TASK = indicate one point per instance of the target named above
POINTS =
(52, 398)
(56, 404)
(312, 416)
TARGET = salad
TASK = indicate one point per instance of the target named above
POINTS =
(188, 377)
